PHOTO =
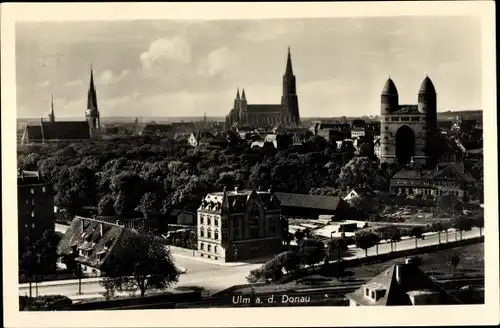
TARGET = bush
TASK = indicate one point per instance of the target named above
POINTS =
(44, 303)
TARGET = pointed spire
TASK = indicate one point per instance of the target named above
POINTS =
(289, 70)
(92, 96)
(238, 94)
(243, 97)
(52, 116)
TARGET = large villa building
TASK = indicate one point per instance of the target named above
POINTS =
(239, 225)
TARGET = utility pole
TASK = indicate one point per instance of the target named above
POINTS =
(79, 268)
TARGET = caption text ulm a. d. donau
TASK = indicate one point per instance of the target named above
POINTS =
(272, 299)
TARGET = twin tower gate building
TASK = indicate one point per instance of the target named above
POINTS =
(408, 133)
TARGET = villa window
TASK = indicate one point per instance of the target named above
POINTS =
(202, 219)
(209, 221)
(367, 292)
(216, 222)
(209, 233)
(216, 234)
(202, 246)
(209, 248)
(216, 250)
(202, 232)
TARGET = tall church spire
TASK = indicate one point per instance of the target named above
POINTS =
(92, 112)
(52, 117)
(289, 98)
(91, 95)
(243, 96)
(289, 70)
(238, 94)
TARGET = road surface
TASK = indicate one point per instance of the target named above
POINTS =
(211, 276)
(215, 277)
(409, 243)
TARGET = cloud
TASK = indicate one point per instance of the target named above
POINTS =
(43, 84)
(108, 77)
(73, 83)
(219, 62)
(176, 49)
(109, 104)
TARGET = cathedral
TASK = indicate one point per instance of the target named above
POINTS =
(268, 115)
(53, 130)
(409, 133)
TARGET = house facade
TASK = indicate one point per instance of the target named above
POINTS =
(35, 208)
(239, 225)
(445, 179)
(92, 242)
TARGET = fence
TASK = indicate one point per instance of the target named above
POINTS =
(48, 277)
(413, 251)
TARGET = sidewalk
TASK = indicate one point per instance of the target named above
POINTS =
(62, 282)
(215, 262)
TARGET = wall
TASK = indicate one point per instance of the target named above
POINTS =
(255, 248)
(182, 251)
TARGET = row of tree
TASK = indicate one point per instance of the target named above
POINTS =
(366, 239)
(312, 251)
(146, 176)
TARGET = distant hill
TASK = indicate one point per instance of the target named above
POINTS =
(464, 114)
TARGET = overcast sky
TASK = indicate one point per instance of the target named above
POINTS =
(188, 68)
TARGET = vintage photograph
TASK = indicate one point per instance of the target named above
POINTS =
(286, 162)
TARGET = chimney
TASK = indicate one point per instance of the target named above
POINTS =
(398, 273)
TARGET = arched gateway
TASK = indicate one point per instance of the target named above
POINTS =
(405, 144)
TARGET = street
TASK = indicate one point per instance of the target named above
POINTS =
(200, 274)
(430, 239)
(215, 277)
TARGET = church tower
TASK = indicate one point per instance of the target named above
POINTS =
(427, 106)
(389, 100)
(92, 112)
(52, 117)
(289, 98)
(243, 109)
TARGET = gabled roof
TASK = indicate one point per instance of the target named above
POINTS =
(450, 170)
(409, 174)
(329, 203)
(65, 130)
(60, 130)
(264, 108)
(364, 192)
(396, 291)
(100, 239)
(32, 132)
(156, 128)
(182, 127)
(236, 201)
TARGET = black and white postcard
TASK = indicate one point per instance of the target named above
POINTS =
(249, 164)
